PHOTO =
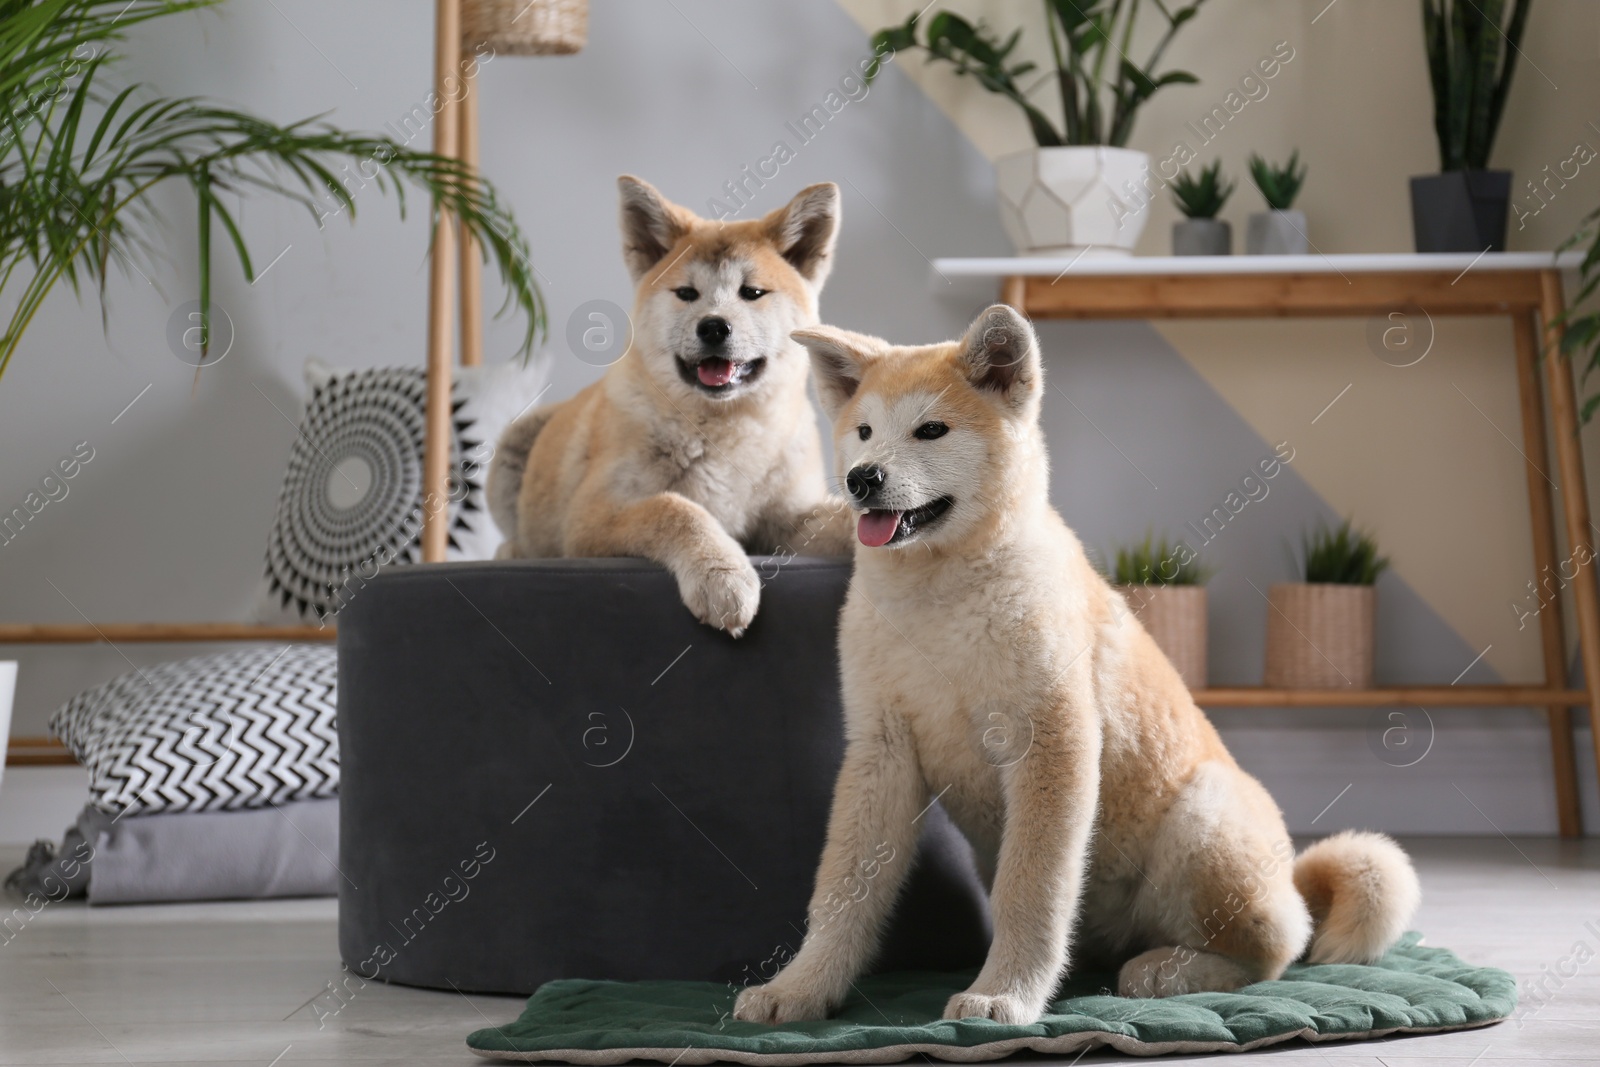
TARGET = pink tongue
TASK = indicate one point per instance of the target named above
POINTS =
(715, 372)
(877, 528)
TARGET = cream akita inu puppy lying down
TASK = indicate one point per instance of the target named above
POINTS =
(700, 443)
(987, 664)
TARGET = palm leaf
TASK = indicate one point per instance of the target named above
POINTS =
(76, 195)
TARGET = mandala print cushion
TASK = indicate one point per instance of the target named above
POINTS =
(241, 729)
(351, 502)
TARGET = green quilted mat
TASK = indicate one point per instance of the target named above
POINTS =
(1413, 990)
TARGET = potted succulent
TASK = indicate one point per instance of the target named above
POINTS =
(1165, 589)
(1200, 196)
(1280, 231)
(1471, 57)
(1319, 631)
(1081, 187)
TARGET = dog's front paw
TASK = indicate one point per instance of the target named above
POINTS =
(778, 1003)
(722, 593)
(1005, 1008)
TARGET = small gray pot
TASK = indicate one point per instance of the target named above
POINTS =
(1276, 233)
(1202, 237)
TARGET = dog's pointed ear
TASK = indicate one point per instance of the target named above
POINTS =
(838, 360)
(651, 225)
(1000, 354)
(804, 231)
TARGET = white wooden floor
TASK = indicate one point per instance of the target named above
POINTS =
(233, 983)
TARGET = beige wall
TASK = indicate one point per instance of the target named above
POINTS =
(1404, 450)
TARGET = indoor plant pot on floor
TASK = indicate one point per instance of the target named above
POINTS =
(1470, 62)
(1080, 190)
(1319, 631)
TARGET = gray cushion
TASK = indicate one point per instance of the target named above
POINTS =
(550, 770)
(286, 851)
(282, 851)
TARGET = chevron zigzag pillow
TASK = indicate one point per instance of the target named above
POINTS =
(242, 729)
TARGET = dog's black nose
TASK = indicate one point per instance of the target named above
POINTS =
(863, 480)
(712, 331)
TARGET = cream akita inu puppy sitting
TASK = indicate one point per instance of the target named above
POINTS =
(987, 664)
(700, 442)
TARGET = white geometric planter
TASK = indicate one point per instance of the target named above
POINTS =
(1059, 201)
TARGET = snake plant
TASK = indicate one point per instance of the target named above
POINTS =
(1472, 52)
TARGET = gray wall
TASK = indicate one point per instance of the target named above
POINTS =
(168, 520)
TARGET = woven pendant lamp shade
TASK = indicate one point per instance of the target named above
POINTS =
(525, 27)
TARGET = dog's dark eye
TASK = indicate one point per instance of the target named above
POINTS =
(864, 431)
(930, 430)
(750, 292)
(687, 293)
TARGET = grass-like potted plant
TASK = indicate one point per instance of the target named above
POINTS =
(1082, 187)
(1280, 231)
(1164, 586)
(1472, 53)
(1200, 196)
(1319, 631)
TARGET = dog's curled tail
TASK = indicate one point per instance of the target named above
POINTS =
(505, 469)
(1362, 893)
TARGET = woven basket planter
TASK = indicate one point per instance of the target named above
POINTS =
(1175, 616)
(1319, 636)
(525, 27)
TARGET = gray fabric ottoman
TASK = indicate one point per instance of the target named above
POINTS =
(550, 770)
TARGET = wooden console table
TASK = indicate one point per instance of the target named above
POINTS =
(1526, 286)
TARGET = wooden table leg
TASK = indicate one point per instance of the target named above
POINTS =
(1574, 493)
(1014, 291)
(1563, 757)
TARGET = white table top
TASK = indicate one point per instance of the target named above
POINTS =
(1311, 263)
(977, 276)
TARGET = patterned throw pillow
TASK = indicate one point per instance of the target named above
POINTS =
(241, 729)
(351, 503)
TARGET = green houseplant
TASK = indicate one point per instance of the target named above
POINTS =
(1097, 89)
(1280, 230)
(1473, 47)
(1580, 323)
(82, 156)
(1319, 630)
(1200, 196)
(1164, 586)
